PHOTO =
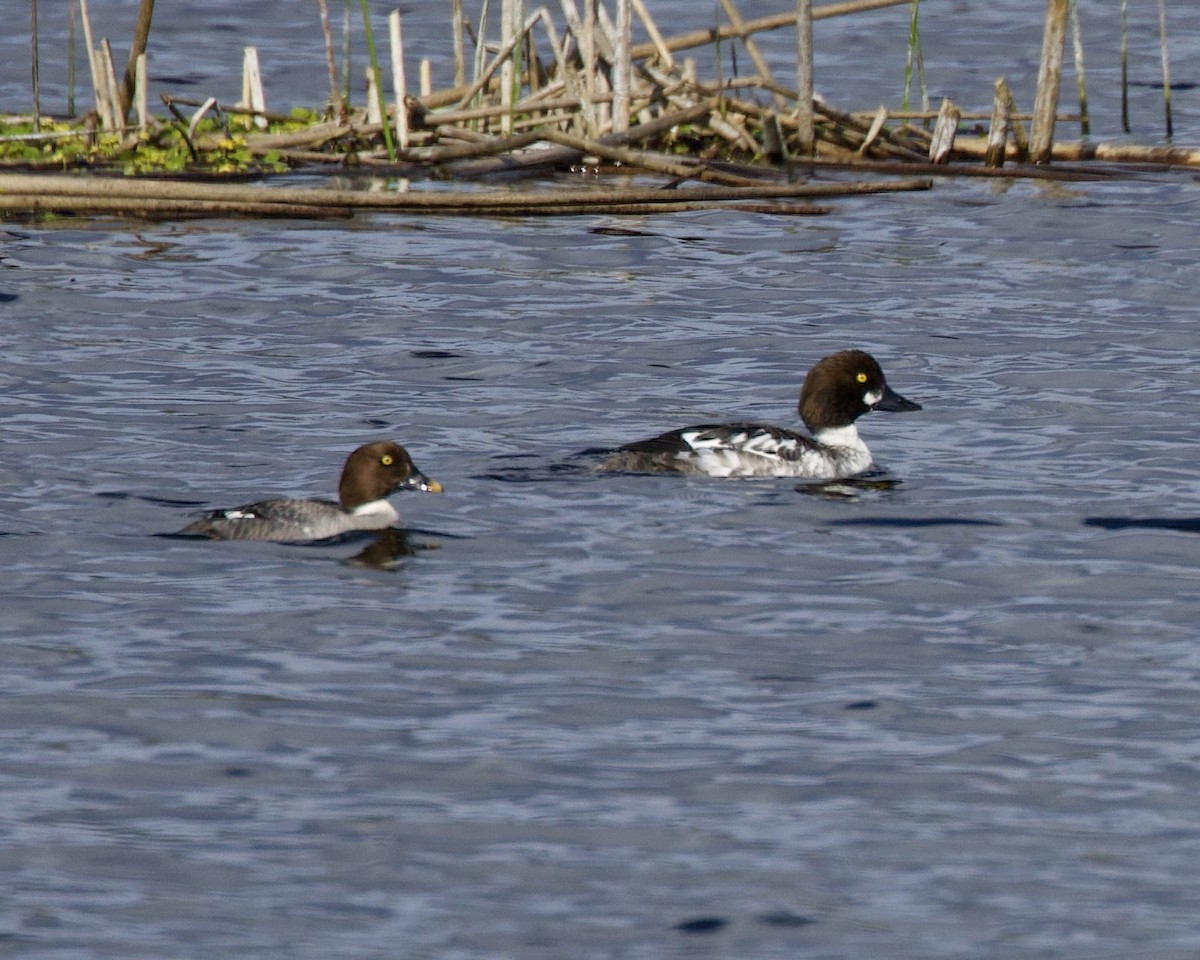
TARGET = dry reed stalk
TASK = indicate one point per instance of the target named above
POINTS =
(1018, 128)
(664, 55)
(509, 38)
(1166, 66)
(98, 84)
(568, 78)
(622, 68)
(399, 81)
(335, 94)
(347, 67)
(1125, 65)
(700, 38)
(71, 58)
(997, 141)
(756, 57)
(805, 134)
(141, 33)
(141, 95)
(1077, 45)
(1045, 104)
(877, 122)
(425, 76)
(944, 132)
(197, 117)
(374, 113)
(889, 141)
(498, 61)
(111, 88)
(585, 41)
(456, 39)
(253, 95)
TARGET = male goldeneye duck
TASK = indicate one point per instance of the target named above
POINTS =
(372, 473)
(836, 392)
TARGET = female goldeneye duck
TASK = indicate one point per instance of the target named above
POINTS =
(371, 474)
(836, 392)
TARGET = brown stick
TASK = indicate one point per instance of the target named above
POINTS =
(141, 33)
(159, 207)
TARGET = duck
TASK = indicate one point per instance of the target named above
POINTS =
(370, 475)
(838, 390)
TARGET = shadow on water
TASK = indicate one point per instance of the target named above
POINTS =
(1180, 524)
(577, 467)
(914, 522)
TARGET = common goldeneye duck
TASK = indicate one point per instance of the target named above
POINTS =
(836, 392)
(371, 474)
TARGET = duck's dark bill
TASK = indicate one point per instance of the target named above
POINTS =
(892, 402)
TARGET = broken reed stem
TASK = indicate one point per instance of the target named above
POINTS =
(1125, 65)
(622, 68)
(702, 38)
(456, 41)
(1166, 66)
(997, 141)
(805, 133)
(498, 62)
(71, 59)
(141, 33)
(337, 104)
(399, 80)
(1041, 139)
(666, 61)
(756, 57)
(253, 95)
(1085, 126)
(98, 85)
(111, 88)
(141, 94)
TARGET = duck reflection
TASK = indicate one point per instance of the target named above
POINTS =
(388, 550)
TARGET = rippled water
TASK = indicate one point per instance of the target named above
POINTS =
(606, 716)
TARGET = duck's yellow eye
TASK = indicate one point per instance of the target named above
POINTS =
(861, 378)
(386, 460)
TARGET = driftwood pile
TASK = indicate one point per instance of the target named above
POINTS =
(551, 96)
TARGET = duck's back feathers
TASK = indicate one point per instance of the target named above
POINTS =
(738, 450)
(290, 519)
